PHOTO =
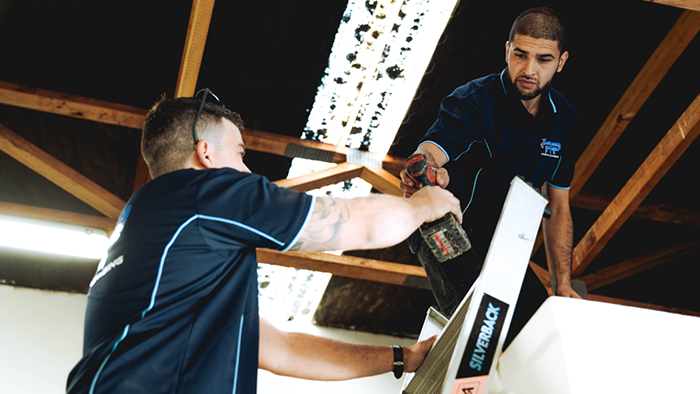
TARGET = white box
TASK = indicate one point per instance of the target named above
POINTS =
(580, 346)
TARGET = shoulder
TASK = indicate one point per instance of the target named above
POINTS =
(478, 89)
(563, 106)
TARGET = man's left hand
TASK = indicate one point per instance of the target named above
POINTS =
(414, 355)
(567, 291)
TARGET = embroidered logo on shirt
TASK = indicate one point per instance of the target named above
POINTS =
(550, 148)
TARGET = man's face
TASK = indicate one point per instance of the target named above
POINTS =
(532, 63)
(231, 149)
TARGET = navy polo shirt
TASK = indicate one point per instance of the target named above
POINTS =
(489, 137)
(173, 308)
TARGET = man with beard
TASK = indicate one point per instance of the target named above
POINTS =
(487, 132)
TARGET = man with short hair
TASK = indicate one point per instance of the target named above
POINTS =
(173, 307)
(491, 130)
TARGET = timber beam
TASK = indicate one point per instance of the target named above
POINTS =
(657, 213)
(639, 264)
(63, 176)
(380, 179)
(70, 105)
(647, 176)
(197, 31)
(686, 4)
(675, 42)
(348, 266)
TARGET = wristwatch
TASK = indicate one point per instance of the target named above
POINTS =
(398, 361)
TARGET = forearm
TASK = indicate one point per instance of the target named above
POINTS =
(558, 232)
(372, 222)
(318, 358)
(309, 357)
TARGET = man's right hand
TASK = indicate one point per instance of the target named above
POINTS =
(438, 201)
(409, 186)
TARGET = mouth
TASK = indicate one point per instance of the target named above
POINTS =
(526, 83)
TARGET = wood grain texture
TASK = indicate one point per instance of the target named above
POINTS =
(63, 176)
(680, 35)
(638, 187)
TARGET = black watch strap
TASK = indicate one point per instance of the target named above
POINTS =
(398, 361)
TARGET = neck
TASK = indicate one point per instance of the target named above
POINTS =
(532, 106)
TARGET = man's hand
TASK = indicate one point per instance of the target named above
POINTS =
(567, 291)
(436, 159)
(414, 355)
(438, 201)
(409, 187)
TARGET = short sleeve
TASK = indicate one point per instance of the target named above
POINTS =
(242, 209)
(564, 173)
(459, 124)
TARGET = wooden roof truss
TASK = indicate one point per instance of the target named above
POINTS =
(614, 212)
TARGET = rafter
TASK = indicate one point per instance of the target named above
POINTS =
(382, 180)
(686, 4)
(639, 264)
(319, 179)
(636, 95)
(63, 176)
(196, 38)
(657, 213)
(348, 266)
(666, 153)
(71, 105)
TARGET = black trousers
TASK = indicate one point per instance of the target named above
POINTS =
(451, 280)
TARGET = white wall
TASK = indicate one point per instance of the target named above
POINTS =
(41, 339)
(41, 335)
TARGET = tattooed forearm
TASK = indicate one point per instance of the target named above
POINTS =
(322, 231)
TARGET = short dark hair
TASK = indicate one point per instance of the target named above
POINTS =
(167, 140)
(540, 22)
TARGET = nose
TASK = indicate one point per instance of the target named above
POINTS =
(530, 67)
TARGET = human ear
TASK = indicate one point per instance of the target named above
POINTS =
(507, 50)
(204, 154)
(562, 60)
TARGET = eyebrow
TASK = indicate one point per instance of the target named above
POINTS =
(538, 55)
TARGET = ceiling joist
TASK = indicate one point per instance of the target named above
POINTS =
(63, 176)
(633, 266)
(382, 180)
(657, 213)
(70, 105)
(318, 179)
(348, 266)
(666, 153)
(636, 95)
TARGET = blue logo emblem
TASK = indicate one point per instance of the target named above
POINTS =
(550, 148)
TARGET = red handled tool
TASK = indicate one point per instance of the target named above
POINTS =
(445, 237)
